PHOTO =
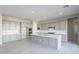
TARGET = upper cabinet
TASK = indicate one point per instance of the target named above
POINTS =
(54, 26)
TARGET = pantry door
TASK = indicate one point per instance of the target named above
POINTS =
(24, 31)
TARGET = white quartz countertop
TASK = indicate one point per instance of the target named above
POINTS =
(53, 31)
(55, 36)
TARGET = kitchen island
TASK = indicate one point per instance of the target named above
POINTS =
(52, 40)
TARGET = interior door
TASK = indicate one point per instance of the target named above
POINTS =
(24, 31)
(75, 27)
(76, 31)
(73, 30)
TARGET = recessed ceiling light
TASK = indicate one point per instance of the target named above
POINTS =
(65, 6)
(33, 11)
(60, 13)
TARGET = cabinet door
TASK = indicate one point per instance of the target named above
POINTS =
(52, 43)
(45, 41)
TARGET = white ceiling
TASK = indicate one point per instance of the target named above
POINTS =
(38, 12)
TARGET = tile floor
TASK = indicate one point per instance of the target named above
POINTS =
(28, 47)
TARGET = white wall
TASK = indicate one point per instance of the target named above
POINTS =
(17, 19)
(0, 29)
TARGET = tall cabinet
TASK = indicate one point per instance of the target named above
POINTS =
(73, 30)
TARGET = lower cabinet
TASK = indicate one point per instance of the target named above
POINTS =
(53, 43)
(45, 41)
(40, 40)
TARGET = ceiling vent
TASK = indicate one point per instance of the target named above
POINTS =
(65, 6)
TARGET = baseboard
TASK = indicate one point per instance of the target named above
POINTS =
(10, 41)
